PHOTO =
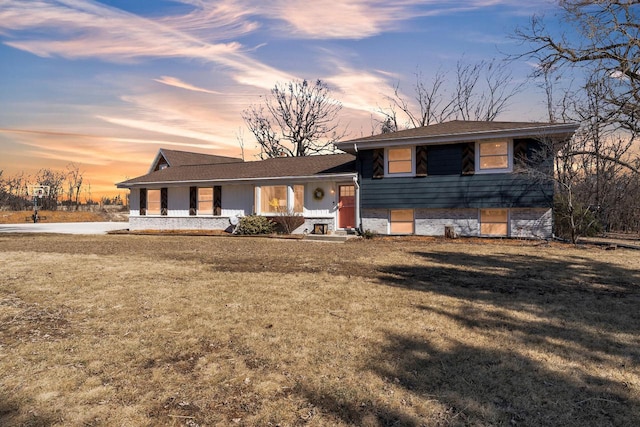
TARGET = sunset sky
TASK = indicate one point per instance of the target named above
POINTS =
(105, 84)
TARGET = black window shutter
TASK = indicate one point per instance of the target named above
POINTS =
(520, 147)
(193, 200)
(143, 201)
(469, 159)
(378, 163)
(164, 201)
(421, 160)
(217, 200)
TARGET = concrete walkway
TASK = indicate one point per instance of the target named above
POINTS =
(64, 227)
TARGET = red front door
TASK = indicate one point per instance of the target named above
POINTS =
(346, 206)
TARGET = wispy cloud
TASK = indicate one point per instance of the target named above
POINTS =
(81, 29)
(358, 19)
(175, 82)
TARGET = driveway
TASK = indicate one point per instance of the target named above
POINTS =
(64, 227)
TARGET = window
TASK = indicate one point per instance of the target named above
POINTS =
(494, 222)
(205, 201)
(401, 221)
(400, 161)
(153, 202)
(493, 155)
(273, 199)
(281, 198)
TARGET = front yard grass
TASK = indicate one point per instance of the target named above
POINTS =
(201, 331)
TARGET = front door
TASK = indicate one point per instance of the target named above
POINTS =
(346, 206)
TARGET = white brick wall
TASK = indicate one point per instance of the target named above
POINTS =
(178, 223)
(431, 222)
(524, 223)
(375, 220)
(532, 222)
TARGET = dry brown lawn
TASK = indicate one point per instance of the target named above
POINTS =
(204, 331)
(109, 213)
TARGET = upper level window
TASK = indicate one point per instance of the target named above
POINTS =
(153, 202)
(494, 156)
(400, 161)
(205, 201)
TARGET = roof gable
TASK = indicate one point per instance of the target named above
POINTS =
(172, 158)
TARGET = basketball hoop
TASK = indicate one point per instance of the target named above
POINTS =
(40, 191)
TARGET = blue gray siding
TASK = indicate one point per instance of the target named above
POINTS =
(450, 190)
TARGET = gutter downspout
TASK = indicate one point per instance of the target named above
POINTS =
(357, 187)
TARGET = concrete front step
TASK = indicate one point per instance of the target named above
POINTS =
(329, 237)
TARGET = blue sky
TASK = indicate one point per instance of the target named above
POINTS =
(104, 84)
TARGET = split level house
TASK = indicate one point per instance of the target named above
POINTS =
(462, 177)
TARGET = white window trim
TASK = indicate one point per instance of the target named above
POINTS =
(404, 174)
(494, 235)
(508, 169)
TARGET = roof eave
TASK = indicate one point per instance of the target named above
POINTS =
(353, 146)
(240, 180)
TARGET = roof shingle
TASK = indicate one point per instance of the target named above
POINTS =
(281, 167)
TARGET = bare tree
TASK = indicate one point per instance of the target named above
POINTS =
(74, 183)
(428, 106)
(607, 48)
(55, 181)
(481, 92)
(297, 119)
(14, 193)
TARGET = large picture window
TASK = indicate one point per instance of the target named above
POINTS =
(153, 202)
(400, 160)
(275, 199)
(494, 222)
(401, 221)
(205, 201)
(493, 155)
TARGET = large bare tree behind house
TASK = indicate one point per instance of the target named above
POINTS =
(476, 91)
(298, 118)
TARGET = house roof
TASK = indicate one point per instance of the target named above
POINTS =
(459, 131)
(182, 158)
(281, 167)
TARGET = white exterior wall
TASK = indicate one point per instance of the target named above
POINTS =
(237, 200)
(134, 202)
(321, 208)
(177, 201)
